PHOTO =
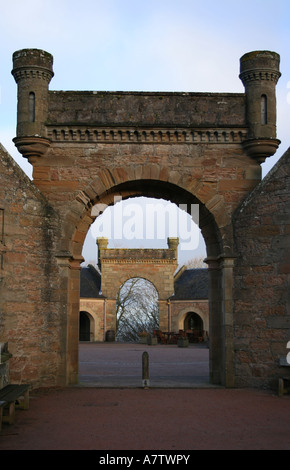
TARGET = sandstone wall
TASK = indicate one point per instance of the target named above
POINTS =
(145, 109)
(262, 280)
(28, 313)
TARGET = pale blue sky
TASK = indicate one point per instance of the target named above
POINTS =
(152, 45)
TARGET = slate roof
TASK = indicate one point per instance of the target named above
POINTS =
(90, 284)
(191, 284)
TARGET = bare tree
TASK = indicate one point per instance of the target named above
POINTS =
(137, 309)
(197, 262)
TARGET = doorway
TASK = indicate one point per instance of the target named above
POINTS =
(84, 327)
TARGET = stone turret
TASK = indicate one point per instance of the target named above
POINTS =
(32, 71)
(259, 72)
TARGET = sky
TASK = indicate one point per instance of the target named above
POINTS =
(152, 45)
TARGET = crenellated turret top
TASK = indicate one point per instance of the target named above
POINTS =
(260, 65)
(34, 63)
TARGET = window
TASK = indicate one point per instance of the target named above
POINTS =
(263, 109)
(31, 107)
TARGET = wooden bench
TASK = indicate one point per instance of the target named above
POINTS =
(11, 394)
(284, 386)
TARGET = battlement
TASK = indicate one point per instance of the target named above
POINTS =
(137, 255)
(260, 65)
(32, 63)
(47, 117)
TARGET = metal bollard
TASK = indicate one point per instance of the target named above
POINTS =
(145, 369)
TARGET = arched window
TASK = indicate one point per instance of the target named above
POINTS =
(31, 107)
(264, 117)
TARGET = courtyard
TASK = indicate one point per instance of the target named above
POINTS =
(109, 410)
(120, 365)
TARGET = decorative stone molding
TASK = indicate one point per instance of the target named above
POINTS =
(33, 146)
(75, 263)
(260, 75)
(32, 73)
(137, 261)
(137, 135)
(260, 149)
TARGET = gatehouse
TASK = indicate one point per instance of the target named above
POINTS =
(86, 148)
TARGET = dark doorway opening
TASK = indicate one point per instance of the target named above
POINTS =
(193, 325)
(84, 331)
(193, 321)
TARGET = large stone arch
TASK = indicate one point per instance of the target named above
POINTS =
(219, 260)
(78, 219)
(87, 147)
(214, 213)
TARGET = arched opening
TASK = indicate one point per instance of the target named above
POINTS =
(147, 222)
(137, 311)
(193, 322)
(220, 272)
(132, 222)
(84, 327)
(193, 325)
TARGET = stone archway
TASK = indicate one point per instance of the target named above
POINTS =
(194, 308)
(220, 270)
(188, 148)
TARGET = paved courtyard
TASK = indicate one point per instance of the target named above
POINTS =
(110, 411)
(120, 365)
